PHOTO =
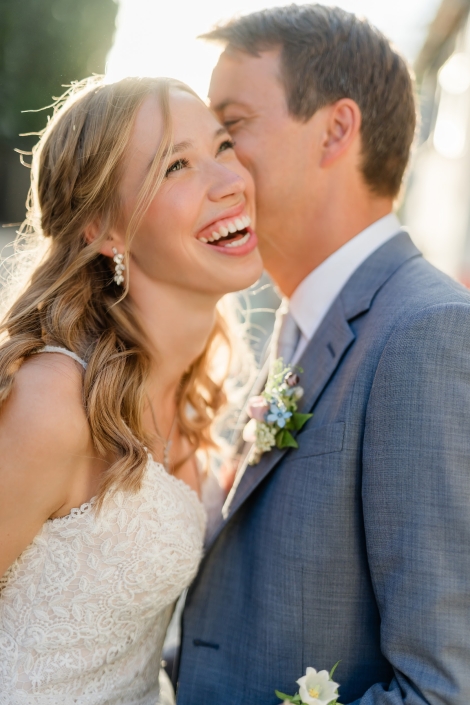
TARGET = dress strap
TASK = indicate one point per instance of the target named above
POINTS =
(64, 351)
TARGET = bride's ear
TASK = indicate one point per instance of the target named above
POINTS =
(112, 240)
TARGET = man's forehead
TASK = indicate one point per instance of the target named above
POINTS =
(238, 77)
(236, 60)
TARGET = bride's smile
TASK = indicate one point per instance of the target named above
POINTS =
(232, 231)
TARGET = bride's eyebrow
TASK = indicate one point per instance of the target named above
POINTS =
(179, 147)
(221, 131)
(175, 148)
(186, 144)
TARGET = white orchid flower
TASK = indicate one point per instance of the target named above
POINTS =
(317, 688)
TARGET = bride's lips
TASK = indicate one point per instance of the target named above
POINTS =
(230, 233)
(222, 222)
(233, 249)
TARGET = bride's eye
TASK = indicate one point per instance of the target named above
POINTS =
(177, 166)
(226, 144)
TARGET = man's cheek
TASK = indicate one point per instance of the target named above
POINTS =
(252, 161)
(242, 153)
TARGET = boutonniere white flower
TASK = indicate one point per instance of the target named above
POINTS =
(274, 413)
(316, 688)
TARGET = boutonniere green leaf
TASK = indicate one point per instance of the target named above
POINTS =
(274, 415)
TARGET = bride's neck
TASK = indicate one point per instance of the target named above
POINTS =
(177, 324)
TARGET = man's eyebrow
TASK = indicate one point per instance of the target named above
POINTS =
(225, 104)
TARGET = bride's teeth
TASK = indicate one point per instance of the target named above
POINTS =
(228, 229)
(238, 243)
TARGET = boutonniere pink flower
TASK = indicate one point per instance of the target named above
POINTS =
(274, 413)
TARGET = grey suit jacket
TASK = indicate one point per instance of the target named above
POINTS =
(356, 546)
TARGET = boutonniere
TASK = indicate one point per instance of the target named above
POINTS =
(316, 688)
(274, 413)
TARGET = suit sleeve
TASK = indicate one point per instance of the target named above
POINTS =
(416, 500)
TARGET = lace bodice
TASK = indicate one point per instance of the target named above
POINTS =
(85, 608)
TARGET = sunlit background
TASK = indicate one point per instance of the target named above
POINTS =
(159, 39)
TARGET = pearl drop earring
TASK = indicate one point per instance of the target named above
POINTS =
(119, 267)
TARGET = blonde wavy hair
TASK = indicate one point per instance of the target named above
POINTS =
(71, 300)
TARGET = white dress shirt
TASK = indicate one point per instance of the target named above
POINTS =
(314, 296)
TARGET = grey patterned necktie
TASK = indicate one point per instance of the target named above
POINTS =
(286, 334)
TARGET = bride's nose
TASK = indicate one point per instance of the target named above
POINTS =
(225, 182)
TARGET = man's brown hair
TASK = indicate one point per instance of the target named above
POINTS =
(328, 54)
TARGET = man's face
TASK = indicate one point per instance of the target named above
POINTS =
(249, 99)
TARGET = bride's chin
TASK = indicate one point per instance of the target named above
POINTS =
(242, 274)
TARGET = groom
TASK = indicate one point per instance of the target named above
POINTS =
(355, 546)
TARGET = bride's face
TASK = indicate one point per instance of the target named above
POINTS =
(206, 194)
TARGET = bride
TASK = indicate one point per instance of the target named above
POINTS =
(108, 388)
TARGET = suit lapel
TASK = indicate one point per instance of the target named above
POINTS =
(324, 353)
(256, 388)
(318, 363)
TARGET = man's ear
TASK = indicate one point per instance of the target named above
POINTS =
(343, 128)
(93, 233)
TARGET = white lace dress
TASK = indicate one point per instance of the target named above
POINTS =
(85, 608)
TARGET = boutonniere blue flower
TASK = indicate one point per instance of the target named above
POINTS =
(274, 413)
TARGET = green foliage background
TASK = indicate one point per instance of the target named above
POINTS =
(43, 45)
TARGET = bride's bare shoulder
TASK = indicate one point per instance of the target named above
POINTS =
(46, 399)
(44, 439)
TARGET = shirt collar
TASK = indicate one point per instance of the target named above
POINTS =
(315, 294)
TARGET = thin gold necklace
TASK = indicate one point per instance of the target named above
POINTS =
(167, 443)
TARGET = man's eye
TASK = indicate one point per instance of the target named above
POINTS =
(177, 166)
(231, 123)
(226, 144)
